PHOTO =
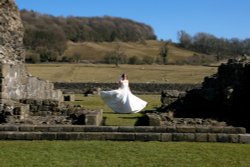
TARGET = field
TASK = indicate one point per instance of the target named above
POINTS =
(110, 73)
(122, 154)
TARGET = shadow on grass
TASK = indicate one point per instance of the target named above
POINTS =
(79, 100)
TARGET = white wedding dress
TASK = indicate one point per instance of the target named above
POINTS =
(122, 100)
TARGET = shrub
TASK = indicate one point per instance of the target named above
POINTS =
(134, 60)
(32, 58)
(148, 60)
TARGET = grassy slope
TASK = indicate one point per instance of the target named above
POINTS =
(95, 51)
(92, 51)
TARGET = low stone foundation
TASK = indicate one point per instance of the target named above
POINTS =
(137, 88)
(125, 133)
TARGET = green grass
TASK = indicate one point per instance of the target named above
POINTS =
(110, 73)
(113, 119)
(122, 154)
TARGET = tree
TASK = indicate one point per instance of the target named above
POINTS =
(185, 39)
(164, 52)
(116, 56)
(77, 57)
(118, 53)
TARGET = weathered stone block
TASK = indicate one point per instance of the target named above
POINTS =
(165, 137)
(67, 128)
(177, 137)
(66, 136)
(154, 120)
(233, 138)
(10, 128)
(244, 138)
(170, 129)
(222, 137)
(185, 129)
(92, 136)
(17, 136)
(55, 129)
(240, 130)
(148, 136)
(2, 127)
(34, 136)
(201, 137)
(78, 128)
(26, 128)
(40, 128)
(212, 137)
(144, 128)
(120, 136)
(93, 118)
(126, 129)
(100, 128)
(234, 130)
(217, 129)
(160, 129)
(203, 129)
(48, 136)
(189, 137)
(3, 136)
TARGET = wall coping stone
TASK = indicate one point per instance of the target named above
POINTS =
(132, 129)
(127, 136)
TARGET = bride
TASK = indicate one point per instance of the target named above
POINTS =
(122, 100)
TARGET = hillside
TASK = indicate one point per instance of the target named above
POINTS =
(96, 51)
(94, 39)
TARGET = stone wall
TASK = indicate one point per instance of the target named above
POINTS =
(15, 82)
(137, 88)
(224, 96)
(12, 31)
(125, 133)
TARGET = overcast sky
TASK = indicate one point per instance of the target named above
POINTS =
(222, 18)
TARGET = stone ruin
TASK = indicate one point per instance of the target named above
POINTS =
(21, 94)
(224, 96)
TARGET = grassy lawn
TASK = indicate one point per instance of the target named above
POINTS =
(122, 154)
(110, 73)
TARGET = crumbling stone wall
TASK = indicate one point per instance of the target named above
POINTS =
(15, 82)
(12, 31)
(224, 96)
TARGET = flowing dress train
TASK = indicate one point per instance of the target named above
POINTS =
(122, 100)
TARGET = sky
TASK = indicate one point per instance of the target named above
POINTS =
(221, 18)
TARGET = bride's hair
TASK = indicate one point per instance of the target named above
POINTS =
(123, 76)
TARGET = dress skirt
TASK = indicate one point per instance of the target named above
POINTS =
(123, 101)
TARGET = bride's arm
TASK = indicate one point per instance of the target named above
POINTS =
(120, 83)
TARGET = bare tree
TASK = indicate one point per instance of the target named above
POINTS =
(164, 52)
